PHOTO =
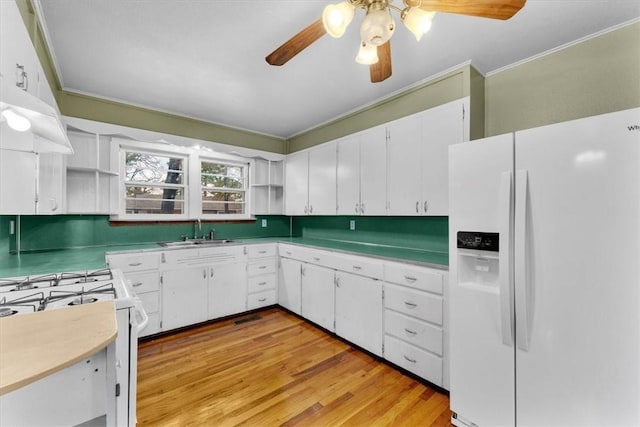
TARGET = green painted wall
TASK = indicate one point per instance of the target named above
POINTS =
(426, 233)
(72, 231)
(597, 76)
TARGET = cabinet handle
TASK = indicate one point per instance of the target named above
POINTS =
(417, 207)
(410, 304)
(410, 278)
(262, 252)
(357, 207)
(262, 283)
(288, 252)
(22, 79)
(135, 264)
(54, 204)
(315, 258)
(163, 260)
(362, 208)
(204, 273)
(408, 359)
(262, 300)
(409, 331)
(306, 209)
(357, 267)
(311, 209)
(426, 206)
(212, 272)
(262, 267)
(135, 285)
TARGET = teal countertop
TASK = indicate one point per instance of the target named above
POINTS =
(92, 258)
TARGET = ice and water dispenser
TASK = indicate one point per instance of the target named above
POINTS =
(478, 263)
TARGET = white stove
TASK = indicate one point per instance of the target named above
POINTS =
(63, 290)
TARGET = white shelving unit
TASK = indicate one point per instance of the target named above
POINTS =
(267, 187)
(90, 180)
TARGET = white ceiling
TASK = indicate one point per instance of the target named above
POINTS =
(205, 58)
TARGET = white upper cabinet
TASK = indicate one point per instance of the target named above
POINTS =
(322, 179)
(362, 173)
(418, 159)
(18, 60)
(405, 164)
(297, 184)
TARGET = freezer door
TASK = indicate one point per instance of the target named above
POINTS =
(481, 350)
(577, 272)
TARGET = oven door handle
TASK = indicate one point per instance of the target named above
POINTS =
(142, 318)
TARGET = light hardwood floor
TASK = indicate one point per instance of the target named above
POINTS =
(277, 370)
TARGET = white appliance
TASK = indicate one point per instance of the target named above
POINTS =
(545, 275)
(78, 393)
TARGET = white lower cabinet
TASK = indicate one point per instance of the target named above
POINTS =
(289, 284)
(317, 295)
(359, 311)
(184, 297)
(227, 290)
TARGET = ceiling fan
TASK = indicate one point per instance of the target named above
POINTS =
(378, 26)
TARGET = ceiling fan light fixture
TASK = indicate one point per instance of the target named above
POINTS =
(336, 18)
(377, 27)
(417, 20)
(367, 54)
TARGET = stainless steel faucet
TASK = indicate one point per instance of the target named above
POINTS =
(197, 228)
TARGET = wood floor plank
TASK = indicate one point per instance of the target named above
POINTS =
(276, 370)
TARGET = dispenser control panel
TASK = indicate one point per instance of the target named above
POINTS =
(478, 240)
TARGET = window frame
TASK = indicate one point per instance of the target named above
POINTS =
(245, 164)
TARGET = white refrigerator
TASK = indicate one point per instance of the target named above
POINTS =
(545, 275)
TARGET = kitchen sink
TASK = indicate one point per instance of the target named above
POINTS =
(196, 242)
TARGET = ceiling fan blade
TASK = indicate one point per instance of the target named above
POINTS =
(296, 44)
(381, 70)
(495, 9)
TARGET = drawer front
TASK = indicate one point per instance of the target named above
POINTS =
(262, 283)
(144, 282)
(359, 265)
(261, 299)
(266, 266)
(414, 303)
(413, 359)
(413, 331)
(292, 251)
(150, 301)
(261, 251)
(416, 277)
(153, 327)
(321, 258)
(134, 261)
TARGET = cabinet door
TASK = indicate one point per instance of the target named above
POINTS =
(17, 182)
(373, 171)
(227, 289)
(359, 311)
(441, 126)
(318, 295)
(322, 180)
(16, 48)
(296, 183)
(50, 183)
(184, 297)
(348, 176)
(289, 284)
(405, 165)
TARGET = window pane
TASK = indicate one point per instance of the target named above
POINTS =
(218, 175)
(152, 168)
(153, 200)
(223, 202)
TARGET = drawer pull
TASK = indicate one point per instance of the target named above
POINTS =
(262, 283)
(410, 279)
(262, 252)
(288, 252)
(409, 331)
(357, 267)
(315, 258)
(410, 304)
(262, 267)
(135, 285)
(408, 359)
(135, 264)
(262, 300)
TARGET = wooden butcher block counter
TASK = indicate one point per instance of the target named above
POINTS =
(35, 345)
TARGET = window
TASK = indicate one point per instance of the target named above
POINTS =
(223, 188)
(154, 183)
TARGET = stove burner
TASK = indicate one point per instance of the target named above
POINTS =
(82, 300)
(6, 312)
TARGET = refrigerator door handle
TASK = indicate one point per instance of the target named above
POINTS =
(506, 266)
(520, 261)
